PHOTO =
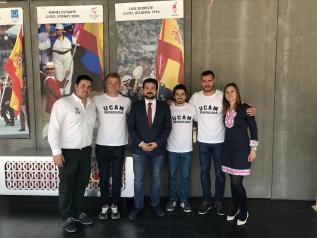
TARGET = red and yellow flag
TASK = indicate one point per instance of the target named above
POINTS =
(14, 69)
(170, 55)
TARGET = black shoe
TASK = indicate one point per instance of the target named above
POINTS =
(85, 220)
(158, 211)
(170, 206)
(186, 206)
(220, 210)
(70, 225)
(134, 214)
(22, 129)
(204, 208)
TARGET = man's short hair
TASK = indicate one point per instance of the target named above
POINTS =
(150, 80)
(207, 72)
(179, 86)
(83, 77)
(113, 75)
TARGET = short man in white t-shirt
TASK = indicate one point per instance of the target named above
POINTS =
(208, 105)
(112, 136)
(179, 147)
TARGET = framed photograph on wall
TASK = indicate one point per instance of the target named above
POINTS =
(13, 81)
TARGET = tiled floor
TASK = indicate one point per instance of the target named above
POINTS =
(37, 217)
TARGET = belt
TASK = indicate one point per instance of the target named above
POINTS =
(60, 52)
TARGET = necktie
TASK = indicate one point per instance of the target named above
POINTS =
(149, 113)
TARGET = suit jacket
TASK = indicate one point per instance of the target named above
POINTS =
(139, 129)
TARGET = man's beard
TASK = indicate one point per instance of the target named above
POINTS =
(208, 89)
(149, 96)
(179, 101)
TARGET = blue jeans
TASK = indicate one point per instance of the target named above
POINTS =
(139, 166)
(207, 152)
(176, 161)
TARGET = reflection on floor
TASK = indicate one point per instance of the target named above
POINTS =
(37, 217)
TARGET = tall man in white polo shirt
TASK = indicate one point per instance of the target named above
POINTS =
(112, 136)
(208, 105)
(70, 137)
(179, 147)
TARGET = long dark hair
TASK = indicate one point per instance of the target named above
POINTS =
(225, 102)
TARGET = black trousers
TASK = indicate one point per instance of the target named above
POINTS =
(74, 178)
(110, 162)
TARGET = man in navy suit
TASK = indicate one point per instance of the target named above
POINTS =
(149, 125)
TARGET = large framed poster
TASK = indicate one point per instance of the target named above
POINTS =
(70, 44)
(13, 86)
(150, 44)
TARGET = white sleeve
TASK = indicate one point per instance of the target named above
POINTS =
(194, 112)
(191, 100)
(55, 126)
(192, 103)
(129, 106)
(45, 44)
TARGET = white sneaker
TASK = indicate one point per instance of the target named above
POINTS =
(231, 217)
(103, 215)
(115, 214)
(241, 223)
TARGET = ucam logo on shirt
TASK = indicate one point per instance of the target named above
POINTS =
(208, 109)
(182, 119)
(113, 109)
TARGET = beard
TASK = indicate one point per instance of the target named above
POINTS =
(149, 96)
(208, 89)
(179, 100)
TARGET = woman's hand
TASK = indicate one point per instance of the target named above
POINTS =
(252, 155)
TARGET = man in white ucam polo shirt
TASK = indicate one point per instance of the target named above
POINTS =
(112, 136)
(70, 135)
(179, 147)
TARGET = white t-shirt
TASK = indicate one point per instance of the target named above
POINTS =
(180, 138)
(209, 116)
(112, 119)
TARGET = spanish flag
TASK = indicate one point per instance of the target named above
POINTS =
(90, 37)
(170, 55)
(14, 69)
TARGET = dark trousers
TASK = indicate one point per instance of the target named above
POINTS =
(110, 162)
(4, 110)
(74, 177)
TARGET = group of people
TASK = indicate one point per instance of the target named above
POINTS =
(224, 125)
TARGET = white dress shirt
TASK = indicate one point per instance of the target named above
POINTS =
(71, 124)
(153, 106)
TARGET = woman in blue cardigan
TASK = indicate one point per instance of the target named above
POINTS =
(239, 149)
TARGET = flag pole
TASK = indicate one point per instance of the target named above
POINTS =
(69, 66)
